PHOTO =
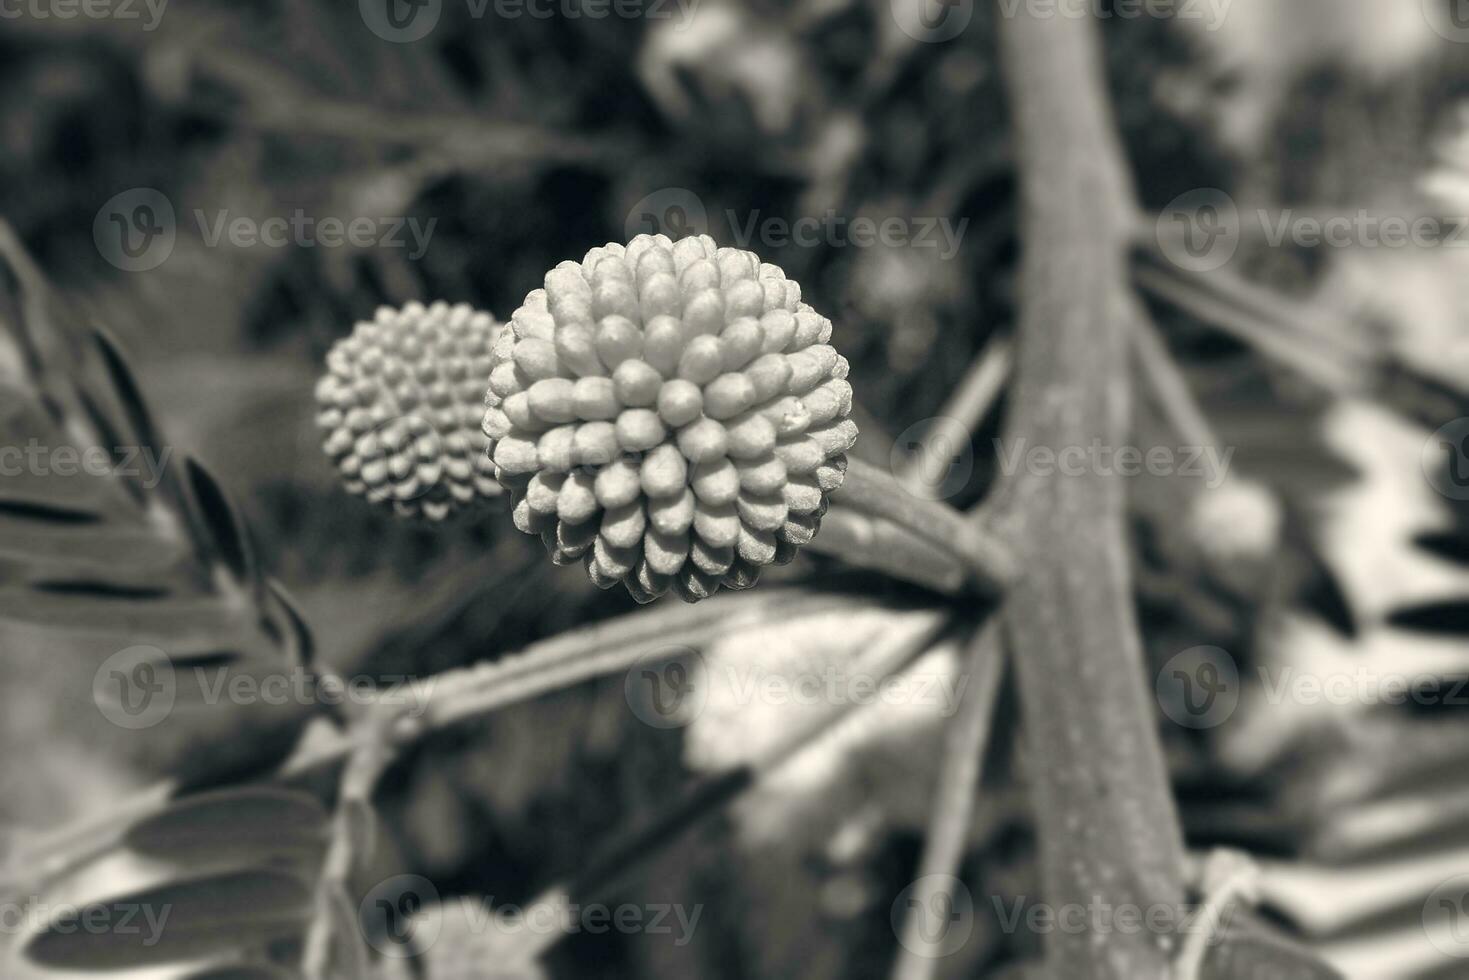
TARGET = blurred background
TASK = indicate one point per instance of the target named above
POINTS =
(229, 186)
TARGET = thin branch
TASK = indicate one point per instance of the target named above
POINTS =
(978, 391)
(1321, 362)
(1170, 386)
(563, 661)
(354, 826)
(953, 804)
(1327, 351)
(1339, 336)
(607, 648)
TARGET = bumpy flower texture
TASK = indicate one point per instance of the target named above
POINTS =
(671, 414)
(400, 409)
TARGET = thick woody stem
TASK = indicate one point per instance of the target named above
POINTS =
(1109, 832)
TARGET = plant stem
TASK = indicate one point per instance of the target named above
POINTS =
(976, 395)
(1108, 827)
(1325, 364)
(869, 489)
(353, 828)
(864, 541)
(1332, 352)
(953, 804)
(562, 661)
(605, 648)
(1170, 387)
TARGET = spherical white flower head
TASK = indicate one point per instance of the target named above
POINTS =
(669, 413)
(400, 408)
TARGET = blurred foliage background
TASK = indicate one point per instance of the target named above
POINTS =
(527, 140)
